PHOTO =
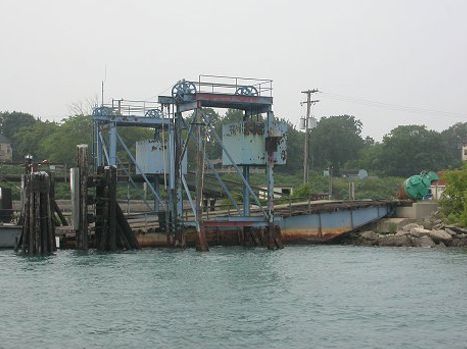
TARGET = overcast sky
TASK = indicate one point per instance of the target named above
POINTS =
(371, 58)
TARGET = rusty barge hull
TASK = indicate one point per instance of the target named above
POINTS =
(305, 223)
(329, 221)
(301, 223)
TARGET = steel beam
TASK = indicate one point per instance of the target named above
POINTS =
(131, 120)
(112, 144)
(246, 193)
(99, 145)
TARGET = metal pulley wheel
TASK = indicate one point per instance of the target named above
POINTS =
(247, 91)
(153, 113)
(183, 88)
(102, 111)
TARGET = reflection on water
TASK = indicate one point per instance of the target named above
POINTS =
(299, 297)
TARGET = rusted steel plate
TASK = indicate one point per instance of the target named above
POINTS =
(318, 226)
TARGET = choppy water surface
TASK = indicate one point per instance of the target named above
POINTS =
(299, 297)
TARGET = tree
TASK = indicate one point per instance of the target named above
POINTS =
(29, 139)
(452, 140)
(454, 201)
(60, 145)
(213, 150)
(232, 115)
(10, 123)
(295, 140)
(368, 158)
(408, 150)
(335, 140)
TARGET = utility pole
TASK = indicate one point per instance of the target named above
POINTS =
(308, 103)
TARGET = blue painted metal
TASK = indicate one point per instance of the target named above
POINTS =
(222, 184)
(216, 175)
(237, 169)
(249, 94)
(156, 195)
(182, 90)
(270, 150)
(246, 142)
(98, 145)
(325, 225)
(237, 221)
(246, 193)
(151, 157)
(247, 91)
(112, 117)
(112, 144)
(132, 120)
(190, 200)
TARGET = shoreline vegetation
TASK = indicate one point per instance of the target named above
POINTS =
(337, 145)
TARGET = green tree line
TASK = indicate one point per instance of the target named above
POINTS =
(336, 141)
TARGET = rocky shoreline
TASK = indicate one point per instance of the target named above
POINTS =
(422, 234)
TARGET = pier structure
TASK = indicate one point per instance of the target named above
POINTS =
(255, 141)
(180, 126)
(154, 159)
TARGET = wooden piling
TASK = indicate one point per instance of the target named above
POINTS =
(57, 215)
(38, 233)
(82, 228)
(274, 240)
(111, 177)
(112, 229)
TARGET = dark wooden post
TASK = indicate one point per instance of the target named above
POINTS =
(82, 228)
(38, 233)
(112, 197)
(112, 228)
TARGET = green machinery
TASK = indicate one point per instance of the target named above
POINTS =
(417, 187)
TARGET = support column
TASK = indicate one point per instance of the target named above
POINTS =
(82, 226)
(99, 151)
(201, 243)
(246, 193)
(273, 240)
(170, 209)
(158, 191)
(112, 196)
(178, 209)
(112, 144)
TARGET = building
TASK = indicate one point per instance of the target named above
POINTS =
(6, 152)
(278, 192)
(464, 152)
(438, 187)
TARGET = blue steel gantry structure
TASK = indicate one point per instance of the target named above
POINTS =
(258, 134)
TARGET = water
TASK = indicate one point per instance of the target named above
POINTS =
(299, 297)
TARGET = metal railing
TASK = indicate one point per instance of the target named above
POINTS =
(127, 107)
(223, 84)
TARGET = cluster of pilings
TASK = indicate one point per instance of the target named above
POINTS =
(38, 233)
(40, 212)
(112, 229)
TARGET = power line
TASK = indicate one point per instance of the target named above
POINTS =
(396, 107)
